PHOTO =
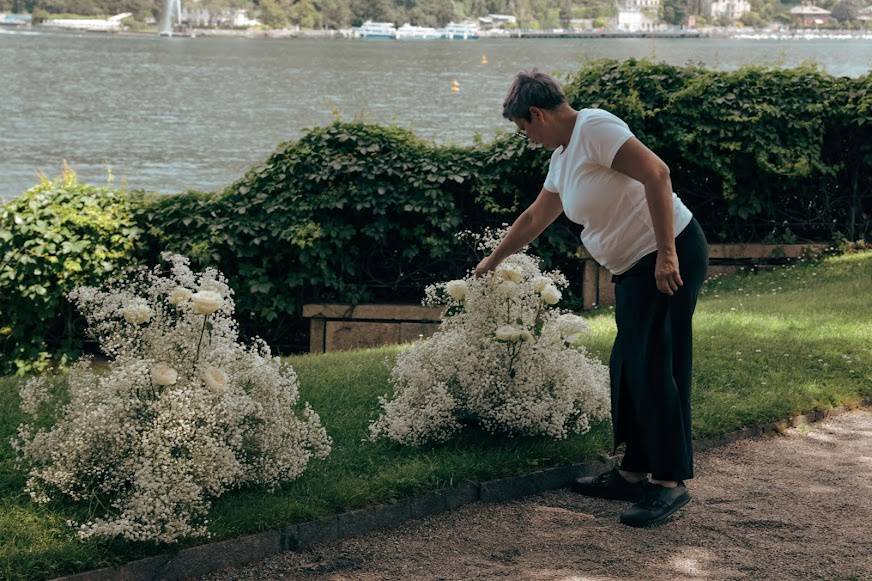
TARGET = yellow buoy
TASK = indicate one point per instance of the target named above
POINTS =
(484, 59)
(455, 86)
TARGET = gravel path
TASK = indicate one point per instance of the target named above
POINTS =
(797, 506)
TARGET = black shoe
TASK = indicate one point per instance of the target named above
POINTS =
(610, 485)
(657, 504)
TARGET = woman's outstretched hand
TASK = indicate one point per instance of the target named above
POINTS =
(666, 272)
(485, 265)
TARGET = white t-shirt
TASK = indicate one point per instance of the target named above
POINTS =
(609, 204)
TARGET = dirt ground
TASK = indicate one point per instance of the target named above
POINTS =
(797, 506)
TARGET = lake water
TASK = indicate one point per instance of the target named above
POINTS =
(174, 114)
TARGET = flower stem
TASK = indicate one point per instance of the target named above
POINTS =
(197, 355)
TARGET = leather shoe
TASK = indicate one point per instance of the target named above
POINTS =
(610, 485)
(657, 504)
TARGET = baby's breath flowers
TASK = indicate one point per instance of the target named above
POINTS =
(502, 357)
(175, 420)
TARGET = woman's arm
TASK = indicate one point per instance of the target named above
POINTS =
(526, 228)
(640, 163)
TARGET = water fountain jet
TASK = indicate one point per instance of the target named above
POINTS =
(172, 8)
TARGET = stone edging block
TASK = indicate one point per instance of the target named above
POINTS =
(203, 559)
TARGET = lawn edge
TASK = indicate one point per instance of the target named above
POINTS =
(239, 551)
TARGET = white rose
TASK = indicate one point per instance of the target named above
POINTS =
(508, 333)
(510, 272)
(540, 282)
(163, 374)
(551, 295)
(457, 289)
(571, 326)
(137, 313)
(179, 295)
(215, 379)
(206, 302)
(508, 288)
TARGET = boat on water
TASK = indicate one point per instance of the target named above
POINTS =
(387, 30)
(461, 31)
(409, 32)
(377, 30)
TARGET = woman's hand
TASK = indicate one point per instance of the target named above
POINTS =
(666, 272)
(486, 264)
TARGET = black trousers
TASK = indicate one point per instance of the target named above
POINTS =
(651, 363)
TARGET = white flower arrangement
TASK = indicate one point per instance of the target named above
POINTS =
(175, 420)
(502, 357)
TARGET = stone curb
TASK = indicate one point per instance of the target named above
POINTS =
(204, 559)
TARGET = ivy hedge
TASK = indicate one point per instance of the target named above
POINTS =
(352, 212)
(58, 235)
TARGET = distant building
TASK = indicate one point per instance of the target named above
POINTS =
(496, 21)
(729, 9)
(241, 19)
(635, 20)
(865, 14)
(809, 15)
(197, 17)
(638, 15)
(644, 5)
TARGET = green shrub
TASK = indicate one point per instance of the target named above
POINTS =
(56, 236)
(752, 150)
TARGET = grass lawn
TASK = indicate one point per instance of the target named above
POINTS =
(767, 345)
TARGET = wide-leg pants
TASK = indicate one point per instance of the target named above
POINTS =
(651, 363)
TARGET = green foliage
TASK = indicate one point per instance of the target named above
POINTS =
(56, 236)
(749, 149)
(272, 14)
(846, 10)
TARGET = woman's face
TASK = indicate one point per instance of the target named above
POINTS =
(538, 128)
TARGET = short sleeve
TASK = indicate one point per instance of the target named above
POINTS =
(550, 183)
(602, 135)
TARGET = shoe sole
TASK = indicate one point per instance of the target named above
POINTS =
(661, 519)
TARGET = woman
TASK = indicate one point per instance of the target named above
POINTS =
(605, 179)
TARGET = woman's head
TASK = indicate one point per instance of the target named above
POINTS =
(534, 103)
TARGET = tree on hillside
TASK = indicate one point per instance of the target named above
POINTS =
(377, 10)
(846, 10)
(304, 14)
(272, 14)
(565, 13)
(335, 13)
(674, 11)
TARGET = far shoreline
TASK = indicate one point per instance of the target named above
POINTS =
(317, 34)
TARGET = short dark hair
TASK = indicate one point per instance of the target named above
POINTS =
(531, 88)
